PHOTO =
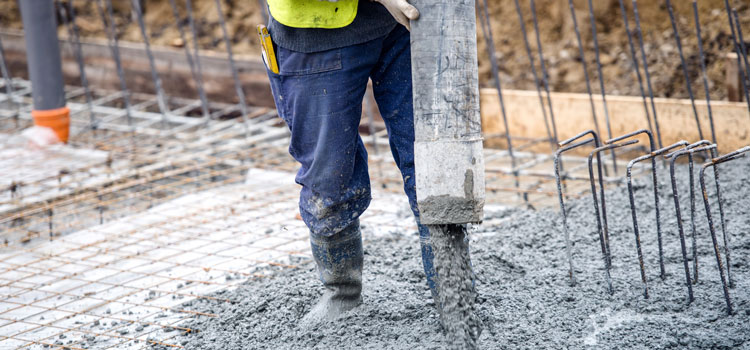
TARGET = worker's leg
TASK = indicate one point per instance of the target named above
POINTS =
(319, 96)
(391, 81)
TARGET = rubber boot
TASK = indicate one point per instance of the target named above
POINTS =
(339, 259)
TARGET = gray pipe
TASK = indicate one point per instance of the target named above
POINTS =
(448, 141)
(43, 53)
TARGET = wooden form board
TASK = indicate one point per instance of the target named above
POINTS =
(626, 113)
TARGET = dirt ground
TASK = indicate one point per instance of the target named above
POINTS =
(525, 299)
(556, 29)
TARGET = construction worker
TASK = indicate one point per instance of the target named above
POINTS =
(325, 52)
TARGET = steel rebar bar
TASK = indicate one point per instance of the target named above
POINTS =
(160, 98)
(645, 70)
(67, 14)
(602, 228)
(712, 163)
(543, 67)
(635, 64)
(688, 85)
(8, 84)
(652, 149)
(108, 21)
(675, 195)
(743, 54)
(601, 81)
(189, 57)
(558, 180)
(537, 85)
(704, 74)
(232, 66)
(744, 80)
(487, 32)
(631, 197)
(585, 70)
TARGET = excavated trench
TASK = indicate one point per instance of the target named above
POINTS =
(524, 296)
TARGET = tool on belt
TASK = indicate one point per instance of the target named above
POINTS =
(266, 45)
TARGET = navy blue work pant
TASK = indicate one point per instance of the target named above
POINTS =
(319, 96)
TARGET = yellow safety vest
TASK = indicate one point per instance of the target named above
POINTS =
(313, 13)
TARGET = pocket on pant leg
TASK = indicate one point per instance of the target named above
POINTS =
(293, 63)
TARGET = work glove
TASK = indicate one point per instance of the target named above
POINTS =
(401, 10)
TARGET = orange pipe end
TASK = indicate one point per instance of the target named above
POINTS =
(56, 119)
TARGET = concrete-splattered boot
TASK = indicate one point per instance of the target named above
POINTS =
(339, 259)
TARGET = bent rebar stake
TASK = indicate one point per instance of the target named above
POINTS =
(603, 232)
(558, 180)
(713, 154)
(585, 67)
(631, 196)
(675, 195)
(725, 158)
(656, 189)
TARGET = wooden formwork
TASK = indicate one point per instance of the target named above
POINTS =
(573, 115)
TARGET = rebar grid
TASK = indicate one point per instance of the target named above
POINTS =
(172, 234)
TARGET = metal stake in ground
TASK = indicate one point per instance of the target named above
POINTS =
(601, 81)
(743, 72)
(725, 158)
(8, 83)
(645, 70)
(233, 67)
(189, 58)
(603, 231)
(715, 154)
(656, 188)
(631, 196)
(743, 53)
(67, 14)
(636, 68)
(530, 56)
(109, 23)
(545, 76)
(684, 67)
(585, 68)
(484, 20)
(160, 99)
(675, 196)
(558, 181)
(704, 75)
